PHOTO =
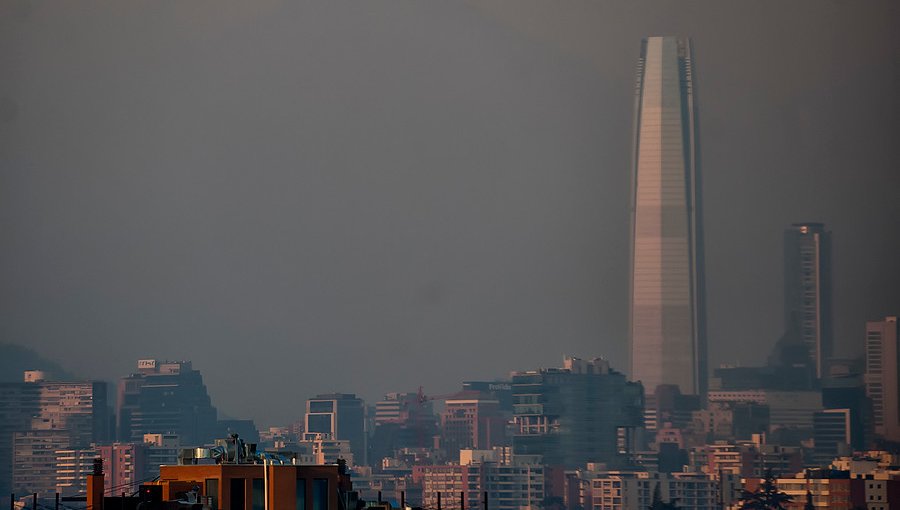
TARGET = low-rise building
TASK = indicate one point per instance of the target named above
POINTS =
(515, 484)
(391, 488)
(243, 486)
(827, 488)
(162, 450)
(326, 450)
(749, 459)
(874, 479)
(623, 490)
(125, 467)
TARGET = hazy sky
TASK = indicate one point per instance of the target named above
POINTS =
(368, 196)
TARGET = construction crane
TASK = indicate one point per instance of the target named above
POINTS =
(419, 418)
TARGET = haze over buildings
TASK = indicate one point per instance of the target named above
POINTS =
(312, 199)
(418, 184)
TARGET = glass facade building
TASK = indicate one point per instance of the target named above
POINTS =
(341, 416)
(667, 333)
(581, 413)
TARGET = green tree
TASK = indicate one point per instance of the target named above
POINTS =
(766, 496)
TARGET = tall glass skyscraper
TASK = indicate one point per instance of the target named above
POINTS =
(667, 315)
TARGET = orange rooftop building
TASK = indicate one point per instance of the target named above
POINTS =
(253, 485)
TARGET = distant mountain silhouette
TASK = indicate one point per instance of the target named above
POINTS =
(15, 359)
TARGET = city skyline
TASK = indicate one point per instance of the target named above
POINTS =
(416, 186)
(329, 255)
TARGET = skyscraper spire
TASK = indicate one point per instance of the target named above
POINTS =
(667, 330)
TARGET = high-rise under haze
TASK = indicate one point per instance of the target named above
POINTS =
(166, 398)
(339, 416)
(882, 383)
(583, 412)
(667, 331)
(807, 290)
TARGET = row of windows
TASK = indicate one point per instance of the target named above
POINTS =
(237, 496)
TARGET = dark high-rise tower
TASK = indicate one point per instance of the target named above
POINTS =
(807, 290)
(667, 337)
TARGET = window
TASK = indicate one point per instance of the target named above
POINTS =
(320, 494)
(301, 494)
(321, 406)
(212, 491)
(319, 423)
(237, 494)
(259, 494)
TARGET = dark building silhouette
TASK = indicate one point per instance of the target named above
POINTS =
(670, 458)
(771, 377)
(670, 405)
(832, 435)
(166, 398)
(848, 391)
(576, 414)
(749, 418)
(402, 420)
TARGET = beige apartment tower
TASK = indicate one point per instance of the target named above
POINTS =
(807, 291)
(667, 333)
(882, 384)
